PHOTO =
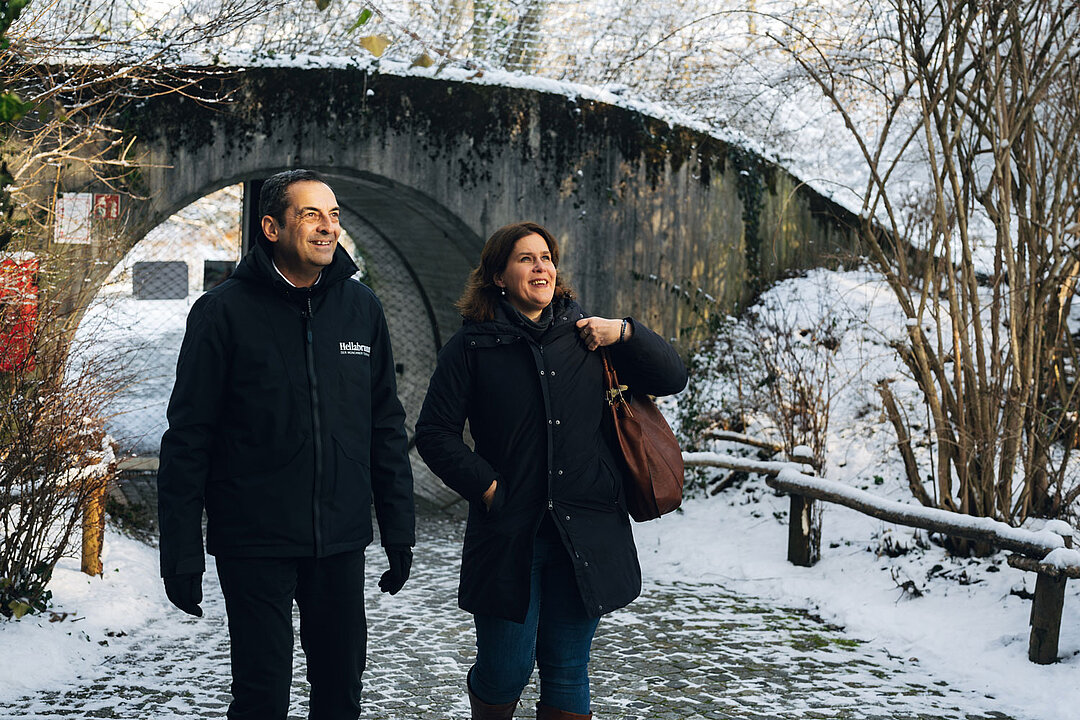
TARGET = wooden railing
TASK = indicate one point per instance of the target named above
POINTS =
(1046, 552)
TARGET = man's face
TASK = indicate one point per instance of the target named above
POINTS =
(305, 243)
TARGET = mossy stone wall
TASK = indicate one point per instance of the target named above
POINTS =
(665, 223)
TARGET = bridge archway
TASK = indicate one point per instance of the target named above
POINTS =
(667, 223)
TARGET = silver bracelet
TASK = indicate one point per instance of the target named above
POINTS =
(622, 331)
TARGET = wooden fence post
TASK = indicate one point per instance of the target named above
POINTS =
(1046, 610)
(93, 529)
(1046, 606)
(804, 534)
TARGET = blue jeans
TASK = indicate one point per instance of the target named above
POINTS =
(556, 637)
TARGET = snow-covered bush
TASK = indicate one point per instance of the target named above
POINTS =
(54, 459)
(771, 372)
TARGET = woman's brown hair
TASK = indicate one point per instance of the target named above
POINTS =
(481, 295)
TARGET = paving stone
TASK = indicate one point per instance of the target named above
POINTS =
(683, 651)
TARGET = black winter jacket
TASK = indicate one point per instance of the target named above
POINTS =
(284, 422)
(535, 411)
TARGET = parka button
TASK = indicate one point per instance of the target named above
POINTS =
(549, 422)
(586, 563)
(567, 517)
(557, 422)
(552, 373)
(560, 472)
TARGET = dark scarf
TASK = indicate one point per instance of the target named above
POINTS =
(535, 329)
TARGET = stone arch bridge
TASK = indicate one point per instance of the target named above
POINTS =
(666, 223)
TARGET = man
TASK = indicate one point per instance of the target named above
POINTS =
(284, 424)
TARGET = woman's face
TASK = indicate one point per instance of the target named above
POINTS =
(529, 276)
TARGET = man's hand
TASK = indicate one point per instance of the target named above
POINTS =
(185, 592)
(400, 559)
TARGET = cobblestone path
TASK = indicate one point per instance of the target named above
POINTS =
(681, 652)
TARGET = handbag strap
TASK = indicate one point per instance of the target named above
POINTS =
(614, 390)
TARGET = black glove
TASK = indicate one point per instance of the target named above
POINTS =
(185, 592)
(400, 559)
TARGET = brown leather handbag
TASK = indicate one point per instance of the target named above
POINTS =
(653, 481)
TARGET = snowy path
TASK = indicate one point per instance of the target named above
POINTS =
(681, 652)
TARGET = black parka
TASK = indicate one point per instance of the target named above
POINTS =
(284, 423)
(535, 410)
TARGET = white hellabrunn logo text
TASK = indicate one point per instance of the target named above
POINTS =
(355, 348)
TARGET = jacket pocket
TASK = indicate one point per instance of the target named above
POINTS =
(590, 483)
(250, 453)
(498, 501)
(345, 497)
(613, 477)
(260, 507)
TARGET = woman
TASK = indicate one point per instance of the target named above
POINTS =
(548, 547)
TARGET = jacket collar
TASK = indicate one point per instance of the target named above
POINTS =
(258, 266)
(565, 312)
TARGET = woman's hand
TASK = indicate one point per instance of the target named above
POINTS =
(489, 495)
(598, 332)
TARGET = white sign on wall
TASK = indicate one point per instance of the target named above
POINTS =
(73, 217)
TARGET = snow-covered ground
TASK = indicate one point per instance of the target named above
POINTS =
(961, 620)
(86, 621)
(967, 629)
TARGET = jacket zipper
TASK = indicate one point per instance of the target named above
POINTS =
(313, 384)
(550, 448)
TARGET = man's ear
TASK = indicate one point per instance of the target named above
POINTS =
(270, 228)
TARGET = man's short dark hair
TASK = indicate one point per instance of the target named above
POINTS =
(274, 196)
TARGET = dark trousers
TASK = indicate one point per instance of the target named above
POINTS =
(259, 595)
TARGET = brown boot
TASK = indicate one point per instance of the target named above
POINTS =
(482, 711)
(543, 712)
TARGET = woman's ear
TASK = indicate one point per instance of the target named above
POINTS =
(497, 279)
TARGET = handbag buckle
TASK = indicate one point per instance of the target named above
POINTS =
(615, 392)
(615, 396)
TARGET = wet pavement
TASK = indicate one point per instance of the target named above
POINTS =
(683, 651)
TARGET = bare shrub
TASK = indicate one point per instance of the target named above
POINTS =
(59, 87)
(983, 260)
(54, 455)
(772, 370)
